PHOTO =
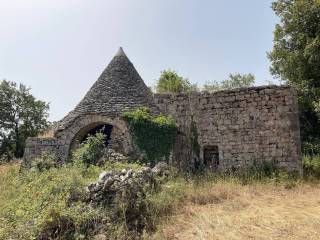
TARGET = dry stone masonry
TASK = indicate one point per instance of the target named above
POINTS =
(237, 127)
(221, 131)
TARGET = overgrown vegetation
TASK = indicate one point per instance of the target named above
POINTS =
(91, 150)
(194, 139)
(154, 135)
(49, 204)
(311, 167)
(44, 162)
(50, 201)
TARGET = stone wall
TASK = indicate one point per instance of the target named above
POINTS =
(36, 147)
(237, 127)
(64, 140)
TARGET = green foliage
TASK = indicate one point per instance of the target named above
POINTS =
(31, 203)
(50, 204)
(235, 81)
(45, 162)
(194, 138)
(296, 58)
(263, 172)
(171, 82)
(91, 150)
(311, 167)
(21, 116)
(311, 148)
(153, 135)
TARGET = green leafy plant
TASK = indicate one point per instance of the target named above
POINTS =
(91, 150)
(311, 167)
(194, 138)
(45, 162)
(154, 135)
(41, 205)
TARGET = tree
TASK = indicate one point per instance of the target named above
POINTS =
(295, 58)
(21, 116)
(234, 81)
(171, 82)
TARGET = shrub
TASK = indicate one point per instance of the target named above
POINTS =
(33, 204)
(91, 150)
(52, 204)
(45, 162)
(154, 135)
(135, 213)
(311, 166)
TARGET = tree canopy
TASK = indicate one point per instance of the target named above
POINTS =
(234, 81)
(296, 58)
(171, 82)
(21, 116)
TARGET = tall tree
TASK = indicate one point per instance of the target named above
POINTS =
(21, 116)
(296, 58)
(171, 82)
(234, 81)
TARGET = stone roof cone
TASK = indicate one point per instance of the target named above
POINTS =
(119, 88)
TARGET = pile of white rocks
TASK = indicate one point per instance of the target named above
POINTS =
(128, 181)
(112, 155)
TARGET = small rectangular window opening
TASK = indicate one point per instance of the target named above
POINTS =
(211, 157)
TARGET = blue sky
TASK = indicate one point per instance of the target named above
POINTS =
(59, 48)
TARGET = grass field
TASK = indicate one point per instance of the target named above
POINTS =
(187, 207)
(229, 210)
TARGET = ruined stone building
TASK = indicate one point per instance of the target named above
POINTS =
(234, 128)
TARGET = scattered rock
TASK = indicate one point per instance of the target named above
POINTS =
(161, 168)
(112, 156)
(128, 181)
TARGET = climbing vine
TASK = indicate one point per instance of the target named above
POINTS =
(194, 138)
(155, 135)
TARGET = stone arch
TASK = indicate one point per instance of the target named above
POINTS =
(120, 138)
(92, 129)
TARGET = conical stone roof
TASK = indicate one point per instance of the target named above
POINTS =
(119, 88)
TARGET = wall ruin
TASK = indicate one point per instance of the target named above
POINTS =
(240, 127)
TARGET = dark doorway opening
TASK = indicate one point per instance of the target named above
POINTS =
(211, 157)
(106, 129)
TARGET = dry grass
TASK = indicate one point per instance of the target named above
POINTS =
(229, 210)
(4, 168)
(46, 134)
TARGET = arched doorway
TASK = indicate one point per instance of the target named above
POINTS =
(91, 130)
(116, 130)
(106, 129)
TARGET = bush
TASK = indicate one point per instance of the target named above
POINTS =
(311, 167)
(91, 150)
(45, 162)
(40, 204)
(136, 213)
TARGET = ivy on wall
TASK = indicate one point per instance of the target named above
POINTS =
(194, 138)
(155, 135)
